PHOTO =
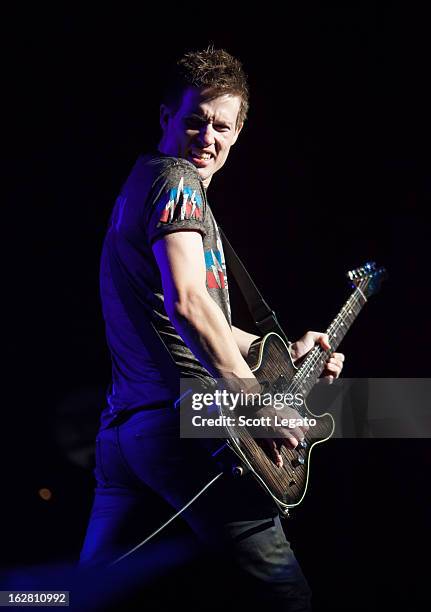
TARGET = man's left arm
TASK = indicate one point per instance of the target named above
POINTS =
(298, 349)
(334, 364)
(243, 340)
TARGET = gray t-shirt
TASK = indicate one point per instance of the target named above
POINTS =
(161, 195)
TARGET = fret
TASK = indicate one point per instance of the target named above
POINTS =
(314, 364)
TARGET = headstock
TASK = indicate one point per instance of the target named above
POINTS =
(368, 278)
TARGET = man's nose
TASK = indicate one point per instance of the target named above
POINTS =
(206, 135)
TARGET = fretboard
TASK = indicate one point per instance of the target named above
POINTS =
(314, 364)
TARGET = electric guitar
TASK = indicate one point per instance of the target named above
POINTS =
(271, 362)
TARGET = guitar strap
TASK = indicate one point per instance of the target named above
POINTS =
(264, 317)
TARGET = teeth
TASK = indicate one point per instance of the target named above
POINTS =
(201, 155)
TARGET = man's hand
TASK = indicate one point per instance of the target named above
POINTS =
(300, 348)
(289, 437)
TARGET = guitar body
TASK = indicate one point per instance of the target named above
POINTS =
(270, 361)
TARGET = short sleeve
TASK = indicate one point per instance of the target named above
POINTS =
(177, 202)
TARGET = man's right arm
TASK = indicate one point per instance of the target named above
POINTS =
(201, 323)
(194, 314)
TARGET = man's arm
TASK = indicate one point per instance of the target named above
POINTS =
(194, 314)
(243, 340)
(298, 349)
(201, 323)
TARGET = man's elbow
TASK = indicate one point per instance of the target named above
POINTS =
(186, 306)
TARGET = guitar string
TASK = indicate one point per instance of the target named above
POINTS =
(317, 355)
(272, 473)
(258, 458)
(335, 325)
(314, 359)
(317, 352)
(348, 311)
(282, 480)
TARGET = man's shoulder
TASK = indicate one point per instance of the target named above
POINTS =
(159, 164)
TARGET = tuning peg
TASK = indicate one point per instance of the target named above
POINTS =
(368, 277)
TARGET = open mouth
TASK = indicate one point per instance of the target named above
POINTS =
(200, 158)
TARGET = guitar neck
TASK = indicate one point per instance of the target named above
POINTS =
(314, 364)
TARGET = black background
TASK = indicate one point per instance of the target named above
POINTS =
(331, 170)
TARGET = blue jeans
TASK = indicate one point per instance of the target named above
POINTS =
(233, 515)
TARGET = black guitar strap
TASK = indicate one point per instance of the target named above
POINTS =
(264, 317)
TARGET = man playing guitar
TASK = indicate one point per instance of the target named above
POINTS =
(165, 243)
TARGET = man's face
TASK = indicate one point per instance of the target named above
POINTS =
(201, 130)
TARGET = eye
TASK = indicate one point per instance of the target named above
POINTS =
(192, 123)
(221, 127)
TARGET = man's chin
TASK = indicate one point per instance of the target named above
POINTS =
(204, 173)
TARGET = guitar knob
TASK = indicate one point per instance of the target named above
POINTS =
(298, 461)
(237, 471)
(302, 444)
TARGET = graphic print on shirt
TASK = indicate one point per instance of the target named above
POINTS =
(216, 278)
(182, 203)
(215, 265)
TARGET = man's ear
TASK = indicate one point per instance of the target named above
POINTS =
(165, 114)
(237, 131)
